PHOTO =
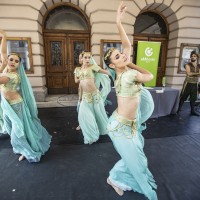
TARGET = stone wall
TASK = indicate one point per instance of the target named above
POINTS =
(24, 18)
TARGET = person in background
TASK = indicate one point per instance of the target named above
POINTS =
(28, 137)
(80, 92)
(190, 85)
(135, 106)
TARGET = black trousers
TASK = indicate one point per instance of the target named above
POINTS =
(189, 90)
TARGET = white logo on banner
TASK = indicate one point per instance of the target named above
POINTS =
(149, 51)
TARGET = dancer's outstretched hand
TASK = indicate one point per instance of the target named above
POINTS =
(2, 32)
(120, 11)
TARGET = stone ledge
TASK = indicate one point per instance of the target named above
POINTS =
(58, 101)
(54, 104)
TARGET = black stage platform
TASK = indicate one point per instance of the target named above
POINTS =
(74, 171)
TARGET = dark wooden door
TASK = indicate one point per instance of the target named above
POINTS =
(56, 58)
(61, 56)
(162, 57)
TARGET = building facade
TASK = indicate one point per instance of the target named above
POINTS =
(57, 30)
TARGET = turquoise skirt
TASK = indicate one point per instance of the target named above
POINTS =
(1, 121)
(28, 136)
(131, 172)
(1, 118)
(92, 117)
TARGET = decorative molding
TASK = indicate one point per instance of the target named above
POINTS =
(110, 22)
(86, 5)
(173, 48)
(19, 5)
(38, 54)
(137, 5)
(38, 76)
(103, 33)
(38, 66)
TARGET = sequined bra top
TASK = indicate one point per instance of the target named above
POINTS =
(13, 83)
(126, 84)
(86, 73)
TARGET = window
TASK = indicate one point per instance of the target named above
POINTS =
(65, 18)
(150, 23)
(22, 46)
(107, 44)
(184, 57)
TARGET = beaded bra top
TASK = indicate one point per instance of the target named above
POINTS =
(126, 84)
(86, 73)
(13, 83)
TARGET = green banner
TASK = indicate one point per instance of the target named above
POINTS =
(147, 58)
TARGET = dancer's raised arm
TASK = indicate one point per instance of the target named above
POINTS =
(3, 50)
(124, 38)
(104, 71)
(143, 75)
(134, 107)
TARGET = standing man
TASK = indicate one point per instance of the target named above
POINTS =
(190, 86)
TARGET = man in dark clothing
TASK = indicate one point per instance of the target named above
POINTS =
(190, 86)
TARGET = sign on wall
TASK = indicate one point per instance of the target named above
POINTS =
(185, 52)
(147, 58)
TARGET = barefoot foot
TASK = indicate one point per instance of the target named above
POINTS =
(119, 191)
(78, 128)
(21, 158)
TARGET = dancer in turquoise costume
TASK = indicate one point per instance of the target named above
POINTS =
(3, 63)
(80, 92)
(135, 106)
(92, 116)
(28, 137)
(78, 104)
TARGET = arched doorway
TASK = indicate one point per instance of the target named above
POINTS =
(66, 34)
(150, 26)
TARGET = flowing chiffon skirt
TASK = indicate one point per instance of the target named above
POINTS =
(92, 117)
(131, 171)
(1, 121)
(28, 136)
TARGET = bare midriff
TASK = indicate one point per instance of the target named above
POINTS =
(127, 106)
(88, 85)
(11, 96)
